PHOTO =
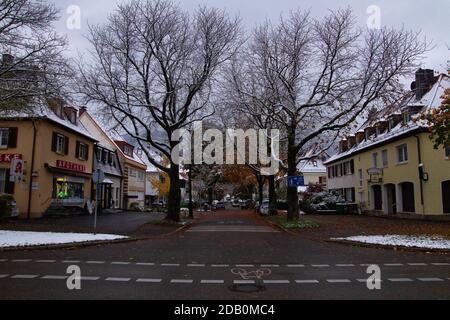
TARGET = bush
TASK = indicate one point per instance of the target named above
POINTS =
(320, 201)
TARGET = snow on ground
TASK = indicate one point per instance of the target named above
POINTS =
(27, 238)
(426, 242)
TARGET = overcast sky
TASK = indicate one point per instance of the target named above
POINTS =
(432, 17)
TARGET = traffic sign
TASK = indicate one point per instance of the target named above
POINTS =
(297, 181)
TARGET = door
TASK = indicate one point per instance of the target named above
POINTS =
(377, 198)
(446, 196)
(391, 199)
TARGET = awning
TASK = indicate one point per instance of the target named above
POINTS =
(107, 181)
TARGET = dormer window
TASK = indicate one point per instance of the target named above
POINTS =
(391, 124)
(128, 151)
(406, 117)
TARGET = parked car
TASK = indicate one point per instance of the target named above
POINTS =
(264, 210)
(236, 203)
(8, 206)
(247, 204)
(220, 205)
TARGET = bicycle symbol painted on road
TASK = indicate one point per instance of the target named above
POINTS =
(251, 275)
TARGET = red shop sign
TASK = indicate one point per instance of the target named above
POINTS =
(7, 158)
(70, 166)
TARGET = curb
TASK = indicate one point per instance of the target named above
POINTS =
(276, 225)
(74, 246)
(387, 247)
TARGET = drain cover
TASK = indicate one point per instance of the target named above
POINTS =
(247, 288)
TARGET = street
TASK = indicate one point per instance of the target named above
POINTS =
(232, 255)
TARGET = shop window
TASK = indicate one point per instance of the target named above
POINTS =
(68, 190)
(402, 154)
(6, 186)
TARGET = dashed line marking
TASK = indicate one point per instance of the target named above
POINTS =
(24, 276)
(3, 260)
(21, 260)
(170, 264)
(119, 263)
(307, 281)
(320, 265)
(149, 280)
(54, 277)
(71, 261)
(393, 264)
(220, 265)
(430, 279)
(270, 266)
(418, 264)
(339, 281)
(89, 278)
(196, 265)
(401, 280)
(244, 282)
(45, 261)
(245, 265)
(3, 276)
(95, 262)
(295, 265)
(118, 279)
(146, 264)
(345, 265)
(212, 281)
(277, 282)
(181, 281)
(441, 264)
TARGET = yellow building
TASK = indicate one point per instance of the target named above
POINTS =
(390, 166)
(57, 153)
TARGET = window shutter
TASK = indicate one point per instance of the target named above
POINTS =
(77, 150)
(54, 142)
(87, 153)
(12, 138)
(352, 166)
(66, 145)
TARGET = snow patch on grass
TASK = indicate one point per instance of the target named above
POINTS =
(425, 242)
(28, 238)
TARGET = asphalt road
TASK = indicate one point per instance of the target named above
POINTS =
(229, 255)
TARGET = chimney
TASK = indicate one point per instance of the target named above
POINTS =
(7, 59)
(351, 141)
(425, 79)
(343, 145)
(360, 136)
(82, 110)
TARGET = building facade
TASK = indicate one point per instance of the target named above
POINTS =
(395, 169)
(57, 153)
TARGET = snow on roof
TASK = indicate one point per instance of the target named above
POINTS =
(312, 166)
(429, 101)
(44, 112)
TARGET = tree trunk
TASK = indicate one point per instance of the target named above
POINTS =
(292, 192)
(174, 199)
(191, 204)
(260, 191)
(273, 201)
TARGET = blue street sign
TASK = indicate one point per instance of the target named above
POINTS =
(295, 182)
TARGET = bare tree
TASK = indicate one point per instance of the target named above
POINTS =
(33, 63)
(152, 69)
(321, 76)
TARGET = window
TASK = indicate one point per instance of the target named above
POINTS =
(82, 152)
(6, 186)
(384, 156)
(4, 135)
(141, 176)
(349, 194)
(360, 177)
(406, 117)
(60, 144)
(132, 173)
(315, 163)
(2, 180)
(402, 154)
(375, 160)
(99, 154)
(447, 151)
(128, 151)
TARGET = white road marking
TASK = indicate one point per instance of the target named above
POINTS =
(417, 264)
(3, 260)
(430, 279)
(95, 262)
(320, 265)
(276, 281)
(54, 277)
(295, 265)
(394, 264)
(401, 280)
(2, 276)
(196, 265)
(22, 260)
(220, 265)
(89, 278)
(170, 264)
(45, 261)
(338, 281)
(345, 265)
(181, 281)
(244, 282)
(147, 264)
(245, 265)
(270, 266)
(121, 263)
(149, 280)
(212, 282)
(71, 261)
(24, 276)
(307, 281)
(118, 279)
(441, 264)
